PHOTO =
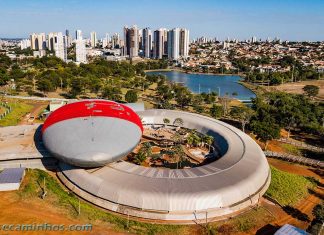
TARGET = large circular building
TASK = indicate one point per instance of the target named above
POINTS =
(229, 185)
(92, 133)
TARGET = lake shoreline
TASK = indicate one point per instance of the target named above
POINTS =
(183, 71)
(227, 84)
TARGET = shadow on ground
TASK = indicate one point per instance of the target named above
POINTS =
(268, 229)
(296, 213)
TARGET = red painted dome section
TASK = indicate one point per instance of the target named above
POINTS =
(94, 108)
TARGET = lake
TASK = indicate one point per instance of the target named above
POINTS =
(223, 84)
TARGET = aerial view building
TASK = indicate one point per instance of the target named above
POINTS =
(199, 117)
(93, 133)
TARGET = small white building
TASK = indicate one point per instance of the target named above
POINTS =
(55, 105)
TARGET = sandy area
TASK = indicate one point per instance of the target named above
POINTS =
(297, 87)
(14, 210)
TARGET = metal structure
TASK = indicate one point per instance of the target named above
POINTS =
(92, 133)
(233, 183)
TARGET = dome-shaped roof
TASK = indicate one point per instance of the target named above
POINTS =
(92, 133)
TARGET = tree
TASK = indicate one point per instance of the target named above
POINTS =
(208, 139)
(216, 111)
(45, 85)
(265, 130)
(139, 158)
(178, 122)
(311, 90)
(176, 137)
(179, 154)
(183, 96)
(193, 139)
(146, 149)
(243, 114)
(318, 212)
(131, 96)
(166, 121)
(111, 93)
(4, 78)
(76, 87)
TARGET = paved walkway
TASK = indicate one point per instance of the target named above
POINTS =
(294, 158)
(38, 98)
(301, 144)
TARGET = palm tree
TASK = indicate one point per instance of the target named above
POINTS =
(190, 140)
(176, 137)
(208, 140)
(146, 149)
(180, 155)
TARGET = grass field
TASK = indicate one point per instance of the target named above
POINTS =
(291, 149)
(68, 201)
(19, 110)
(288, 188)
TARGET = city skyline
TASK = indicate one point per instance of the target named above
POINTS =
(289, 20)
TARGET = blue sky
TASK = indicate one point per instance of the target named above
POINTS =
(291, 20)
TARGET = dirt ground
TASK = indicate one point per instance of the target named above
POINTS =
(37, 109)
(14, 210)
(303, 209)
(297, 87)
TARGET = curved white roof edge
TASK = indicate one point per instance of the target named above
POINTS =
(234, 182)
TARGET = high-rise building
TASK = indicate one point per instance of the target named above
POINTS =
(115, 41)
(25, 43)
(131, 41)
(147, 42)
(57, 42)
(78, 34)
(184, 43)
(160, 43)
(60, 46)
(93, 39)
(106, 41)
(68, 38)
(80, 51)
(173, 44)
(51, 41)
(38, 41)
(140, 39)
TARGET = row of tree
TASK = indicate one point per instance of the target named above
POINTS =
(274, 111)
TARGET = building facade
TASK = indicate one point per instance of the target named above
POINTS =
(38, 41)
(131, 41)
(184, 43)
(80, 50)
(147, 43)
(174, 44)
(93, 39)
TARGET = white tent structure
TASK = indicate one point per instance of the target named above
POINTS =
(233, 183)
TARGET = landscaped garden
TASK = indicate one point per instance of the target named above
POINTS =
(173, 146)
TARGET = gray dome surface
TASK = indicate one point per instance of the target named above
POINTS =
(91, 141)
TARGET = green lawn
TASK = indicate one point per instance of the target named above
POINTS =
(291, 149)
(19, 110)
(288, 188)
(89, 213)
